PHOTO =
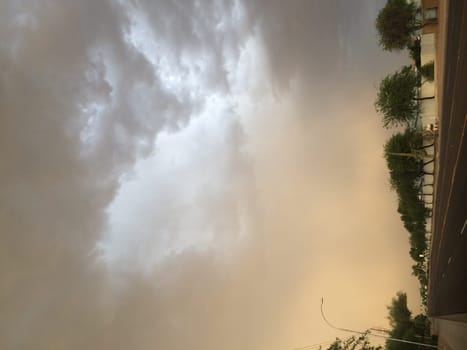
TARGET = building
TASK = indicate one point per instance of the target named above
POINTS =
(429, 16)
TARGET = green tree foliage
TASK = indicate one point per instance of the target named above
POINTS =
(401, 323)
(405, 327)
(397, 98)
(399, 313)
(405, 174)
(353, 343)
(406, 143)
(396, 23)
(428, 71)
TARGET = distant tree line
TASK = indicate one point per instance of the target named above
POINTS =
(406, 327)
(402, 326)
(398, 102)
(406, 172)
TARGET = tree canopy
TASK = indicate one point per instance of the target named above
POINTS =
(404, 326)
(428, 71)
(396, 22)
(406, 142)
(399, 313)
(405, 173)
(353, 343)
(397, 97)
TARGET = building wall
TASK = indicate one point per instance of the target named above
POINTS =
(429, 3)
(431, 24)
(428, 107)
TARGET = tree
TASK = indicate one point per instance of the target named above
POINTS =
(396, 22)
(407, 142)
(403, 153)
(401, 323)
(428, 71)
(405, 327)
(399, 313)
(397, 98)
(353, 343)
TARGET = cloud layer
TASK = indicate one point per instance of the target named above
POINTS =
(192, 174)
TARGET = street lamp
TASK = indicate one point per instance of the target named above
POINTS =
(369, 333)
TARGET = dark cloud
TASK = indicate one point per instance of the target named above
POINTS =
(90, 92)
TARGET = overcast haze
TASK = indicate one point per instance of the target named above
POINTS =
(193, 174)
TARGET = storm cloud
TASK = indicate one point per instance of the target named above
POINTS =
(193, 174)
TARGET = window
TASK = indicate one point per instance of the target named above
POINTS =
(430, 14)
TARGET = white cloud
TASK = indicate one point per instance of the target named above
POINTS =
(191, 194)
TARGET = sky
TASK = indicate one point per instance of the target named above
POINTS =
(193, 174)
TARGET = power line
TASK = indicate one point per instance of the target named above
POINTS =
(374, 335)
